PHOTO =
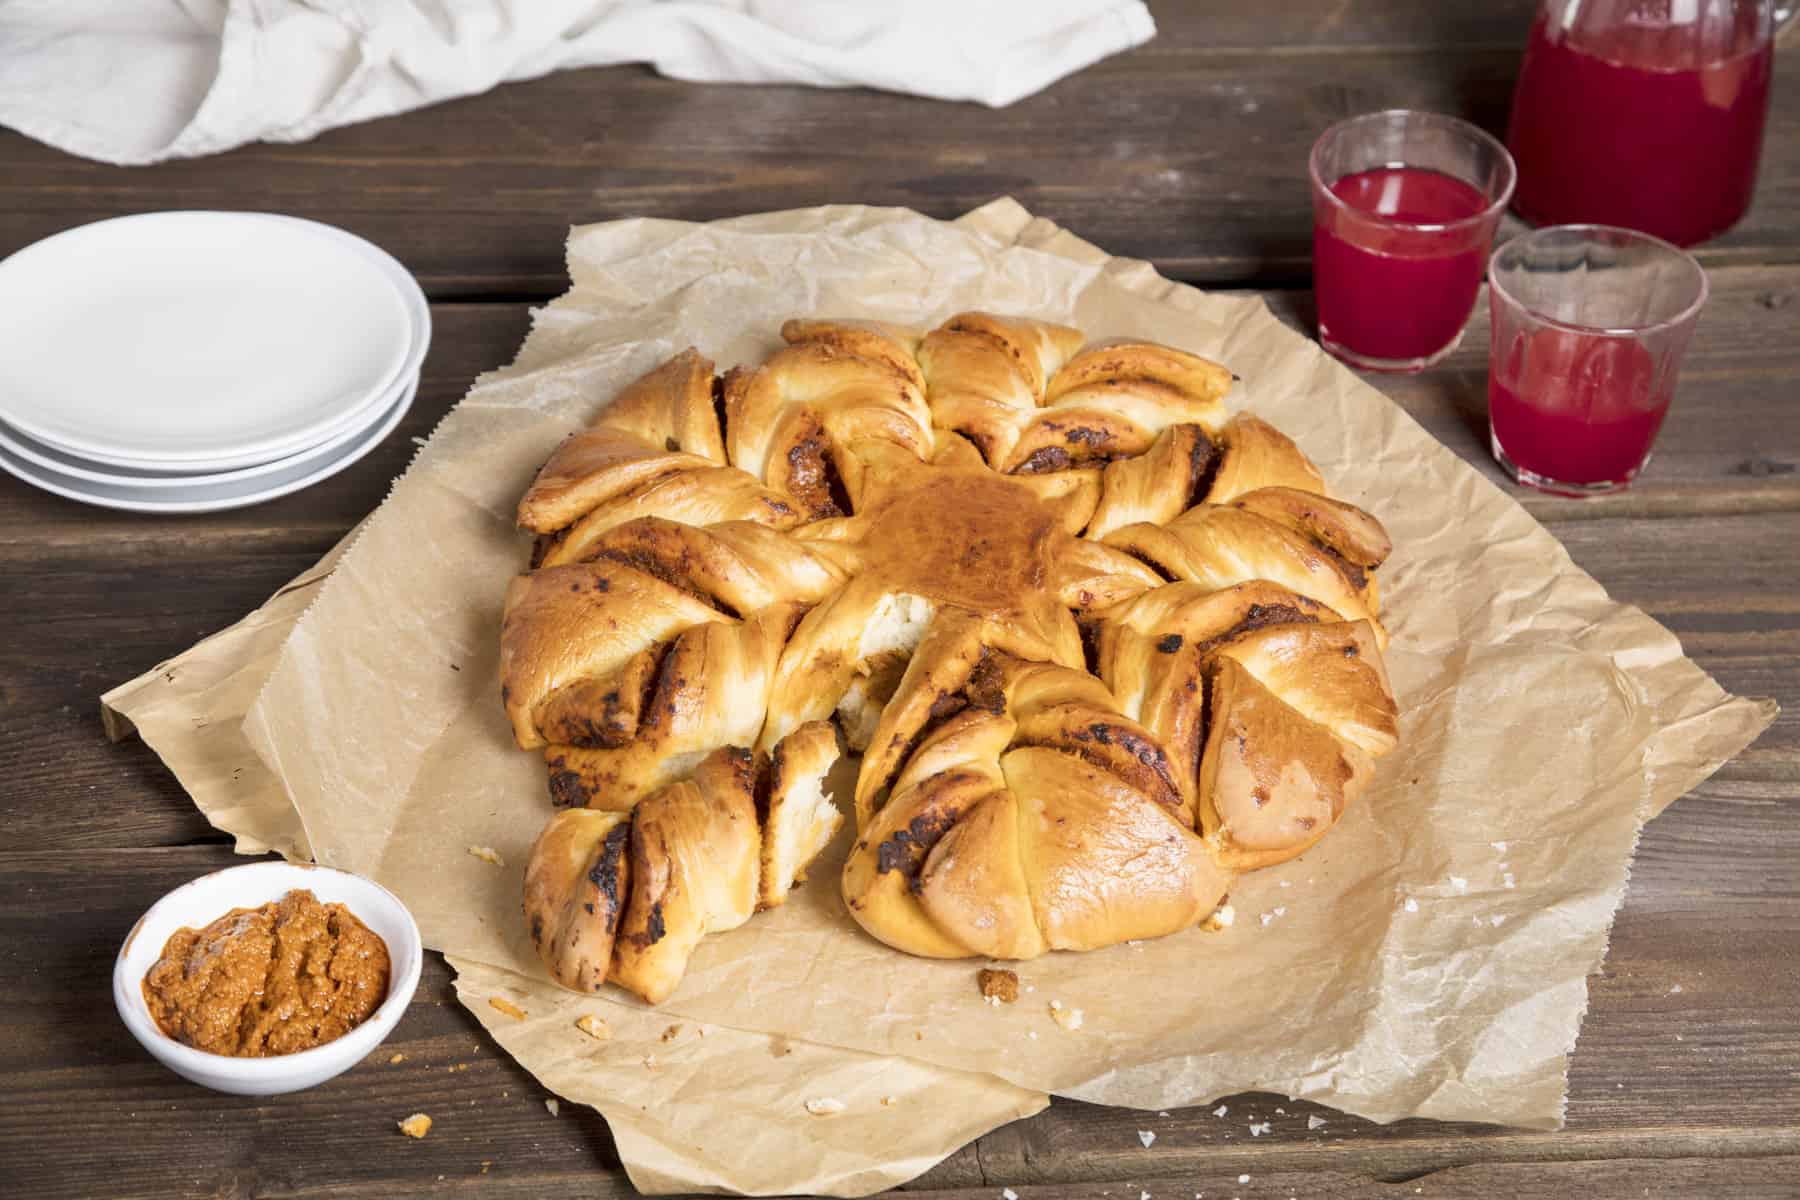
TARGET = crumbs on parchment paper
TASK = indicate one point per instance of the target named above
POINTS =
(998, 986)
(415, 1126)
(594, 1027)
(824, 1106)
(502, 1005)
(486, 854)
(1069, 1018)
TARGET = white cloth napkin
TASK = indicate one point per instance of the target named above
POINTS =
(145, 80)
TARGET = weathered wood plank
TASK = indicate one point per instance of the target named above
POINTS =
(1722, 583)
(1613, 1179)
(97, 597)
(1658, 1073)
(1189, 152)
(1731, 444)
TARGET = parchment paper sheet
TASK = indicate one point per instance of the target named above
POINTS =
(1429, 957)
(722, 1110)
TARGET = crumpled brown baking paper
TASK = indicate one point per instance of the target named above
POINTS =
(1429, 957)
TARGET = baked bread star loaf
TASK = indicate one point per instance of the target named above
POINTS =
(1101, 644)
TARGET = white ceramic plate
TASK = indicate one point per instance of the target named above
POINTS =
(208, 498)
(203, 341)
(57, 463)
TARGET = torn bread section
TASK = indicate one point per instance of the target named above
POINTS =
(626, 897)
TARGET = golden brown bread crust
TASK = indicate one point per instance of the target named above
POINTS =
(575, 887)
(673, 407)
(1101, 644)
(694, 854)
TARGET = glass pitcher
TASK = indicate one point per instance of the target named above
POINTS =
(1643, 113)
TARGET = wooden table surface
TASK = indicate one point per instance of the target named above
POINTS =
(1188, 152)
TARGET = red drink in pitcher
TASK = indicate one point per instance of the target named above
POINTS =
(1401, 285)
(1642, 115)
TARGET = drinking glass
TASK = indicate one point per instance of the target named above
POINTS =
(1405, 205)
(1644, 113)
(1589, 323)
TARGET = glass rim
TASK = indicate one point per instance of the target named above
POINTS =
(1625, 235)
(1457, 124)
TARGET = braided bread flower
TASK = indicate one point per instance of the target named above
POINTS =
(1100, 645)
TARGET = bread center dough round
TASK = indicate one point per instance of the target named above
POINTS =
(963, 537)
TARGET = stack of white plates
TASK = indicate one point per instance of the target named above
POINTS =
(192, 361)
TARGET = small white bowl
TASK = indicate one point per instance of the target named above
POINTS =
(206, 899)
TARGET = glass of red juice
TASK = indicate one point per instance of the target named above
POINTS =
(1643, 113)
(1588, 326)
(1405, 205)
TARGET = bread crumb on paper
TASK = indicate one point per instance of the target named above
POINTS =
(1506, 880)
(1458, 883)
(1069, 1018)
(1315, 1122)
(1411, 905)
(502, 1005)
(1148, 1137)
(595, 1028)
(415, 1126)
(396, 1058)
(671, 1033)
(998, 986)
(1675, 991)
(824, 1106)
(554, 1105)
(1223, 917)
(486, 854)
(1500, 846)
(889, 1101)
(651, 1064)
